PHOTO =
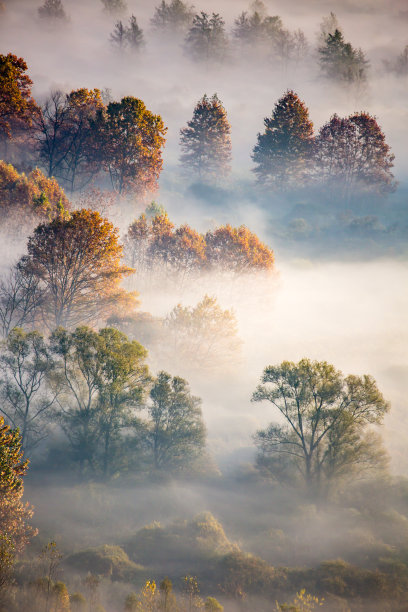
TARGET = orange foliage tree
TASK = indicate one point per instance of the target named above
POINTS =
(15, 532)
(26, 198)
(16, 103)
(128, 140)
(78, 262)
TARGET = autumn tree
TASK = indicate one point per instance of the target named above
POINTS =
(77, 259)
(129, 140)
(206, 40)
(175, 431)
(237, 251)
(173, 17)
(14, 514)
(324, 431)
(284, 152)
(101, 378)
(17, 106)
(52, 9)
(340, 62)
(25, 363)
(353, 156)
(203, 336)
(206, 141)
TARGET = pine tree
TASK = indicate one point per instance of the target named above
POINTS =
(207, 39)
(134, 35)
(206, 141)
(114, 7)
(118, 36)
(284, 152)
(172, 17)
(52, 9)
(340, 61)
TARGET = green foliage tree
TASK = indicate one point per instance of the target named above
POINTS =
(212, 605)
(284, 153)
(77, 260)
(25, 362)
(206, 141)
(102, 380)
(326, 416)
(206, 40)
(340, 62)
(173, 17)
(175, 432)
(128, 141)
(353, 156)
(203, 336)
(53, 9)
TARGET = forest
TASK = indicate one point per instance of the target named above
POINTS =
(203, 306)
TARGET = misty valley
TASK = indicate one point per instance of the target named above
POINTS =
(203, 306)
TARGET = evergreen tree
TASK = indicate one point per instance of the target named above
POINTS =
(52, 9)
(173, 17)
(134, 35)
(206, 141)
(284, 152)
(114, 7)
(118, 36)
(207, 39)
(340, 61)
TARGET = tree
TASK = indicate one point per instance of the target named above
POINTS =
(63, 135)
(203, 336)
(237, 251)
(352, 156)
(77, 260)
(17, 107)
(52, 9)
(175, 433)
(339, 61)
(284, 153)
(134, 35)
(326, 417)
(328, 26)
(14, 514)
(28, 199)
(172, 17)
(129, 139)
(212, 605)
(25, 363)
(114, 7)
(206, 39)
(102, 377)
(118, 36)
(20, 300)
(206, 141)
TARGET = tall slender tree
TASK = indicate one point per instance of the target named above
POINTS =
(207, 39)
(206, 141)
(284, 152)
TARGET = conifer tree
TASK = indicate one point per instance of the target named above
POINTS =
(284, 152)
(206, 141)
(134, 35)
(340, 61)
(172, 17)
(52, 9)
(207, 39)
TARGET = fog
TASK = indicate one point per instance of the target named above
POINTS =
(333, 298)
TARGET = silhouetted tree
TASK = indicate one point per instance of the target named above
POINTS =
(134, 35)
(172, 17)
(114, 7)
(118, 36)
(207, 39)
(284, 153)
(352, 155)
(52, 9)
(206, 141)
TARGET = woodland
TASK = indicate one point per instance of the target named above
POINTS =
(203, 343)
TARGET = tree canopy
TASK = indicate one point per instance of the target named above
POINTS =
(324, 432)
